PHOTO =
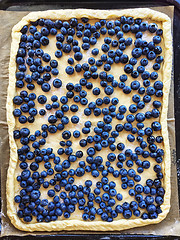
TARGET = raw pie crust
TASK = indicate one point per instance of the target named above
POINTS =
(121, 224)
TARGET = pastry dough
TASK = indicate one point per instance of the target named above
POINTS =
(76, 224)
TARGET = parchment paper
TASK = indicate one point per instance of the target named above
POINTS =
(170, 226)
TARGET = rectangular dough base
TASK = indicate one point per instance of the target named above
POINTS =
(69, 225)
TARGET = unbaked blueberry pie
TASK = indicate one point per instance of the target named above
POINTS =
(87, 114)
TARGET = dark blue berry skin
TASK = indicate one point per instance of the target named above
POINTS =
(130, 138)
(123, 78)
(78, 56)
(151, 55)
(158, 85)
(17, 112)
(69, 70)
(132, 108)
(158, 50)
(58, 54)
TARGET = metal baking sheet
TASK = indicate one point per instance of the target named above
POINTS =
(43, 7)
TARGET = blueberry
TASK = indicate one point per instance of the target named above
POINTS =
(109, 90)
(156, 126)
(136, 52)
(87, 111)
(78, 56)
(158, 85)
(151, 55)
(123, 58)
(46, 87)
(146, 98)
(159, 139)
(146, 164)
(127, 214)
(123, 78)
(111, 157)
(99, 101)
(93, 39)
(33, 112)
(105, 111)
(126, 89)
(17, 100)
(158, 50)
(156, 66)
(152, 27)
(156, 39)
(35, 194)
(136, 98)
(159, 59)
(65, 120)
(22, 119)
(17, 112)
(140, 69)
(155, 113)
(69, 70)
(27, 218)
(44, 41)
(85, 46)
(55, 71)
(159, 93)
(130, 138)
(143, 26)
(95, 51)
(105, 47)
(151, 208)
(32, 29)
(58, 54)
(157, 168)
(132, 108)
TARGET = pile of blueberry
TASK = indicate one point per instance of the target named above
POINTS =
(66, 197)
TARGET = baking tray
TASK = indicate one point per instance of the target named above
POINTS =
(21, 5)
